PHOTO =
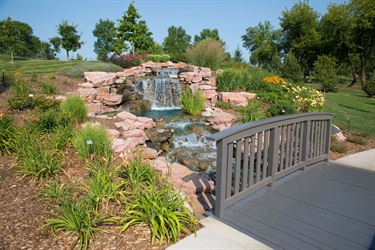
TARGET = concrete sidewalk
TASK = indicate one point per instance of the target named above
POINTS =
(216, 235)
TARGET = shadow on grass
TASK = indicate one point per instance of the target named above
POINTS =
(357, 109)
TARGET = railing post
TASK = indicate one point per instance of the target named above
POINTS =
(305, 143)
(327, 142)
(274, 153)
(220, 186)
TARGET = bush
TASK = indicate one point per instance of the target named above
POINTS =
(74, 107)
(369, 86)
(305, 99)
(129, 60)
(325, 68)
(100, 147)
(283, 107)
(292, 69)
(207, 53)
(252, 112)
(159, 58)
(268, 97)
(192, 102)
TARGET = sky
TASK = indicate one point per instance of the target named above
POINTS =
(230, 17)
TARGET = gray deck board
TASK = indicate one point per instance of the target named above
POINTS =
(328, 207)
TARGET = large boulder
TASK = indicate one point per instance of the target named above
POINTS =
(236, 98)
(100, 79)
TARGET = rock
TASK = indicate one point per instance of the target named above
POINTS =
(94, 109)
(206, 114)
(156, 135)
(150, 153)
(135, 133)
(126, 115)
(161, 164)
(236, 98)
(110, 99)
(113, 133)
(100, 78)
(222, 118)
(86, 85)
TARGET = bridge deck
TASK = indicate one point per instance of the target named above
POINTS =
(328, 207)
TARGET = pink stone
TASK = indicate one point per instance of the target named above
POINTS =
(222, 118)
(100, 78)
(147, 122)
(126, 115)
(196, 79)
(205, 72)
(111, 99)
(94, 109)
(135, 133)
(150, 153)
(113, 133)
(85, 92)
(236, 98)
(161, 164)
(86, 85)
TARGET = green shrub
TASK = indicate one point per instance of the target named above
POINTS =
(325, 68)
(369, 86)
(48, 120)
(6, 133)
(283, 107)
(74, 107)
(252, 112)
(223, 105)
(292, 69)
(61, 137)
(356, 139)
(207, 53)
(162, 210)
(268, 97)
(48, 87)
(192, 102)
(56, 191)
(129, 60)
(159, 58)
(100, 147)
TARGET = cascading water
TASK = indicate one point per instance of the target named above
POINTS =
(162, 91)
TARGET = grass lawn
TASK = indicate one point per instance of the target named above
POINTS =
(31, 67)
(352, 109)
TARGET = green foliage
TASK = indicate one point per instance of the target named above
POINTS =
(207, 53)
(242, 78)
(159, 58)
(325, 68)
(304, 99)
(56, 191)
(176, 43)
(192, 102)
(68, 38)
(129, 60)
(337, 146)
(223, 105)
(291, 69)
(6, 133)
(252, 112)
(162, 210)
(101, 145)
(48, 87)
(133, 31)
(356, 139)
(50, 120)
(283, 107)
(74, 107)
(208, 34)
(369, 86)
(105, 32)
(61, 136)
(79, 219)
(237, 55)
(268, 97)
(262, 42)
(77, 70)
(38, 160)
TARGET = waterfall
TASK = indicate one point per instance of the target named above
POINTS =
(164, 93)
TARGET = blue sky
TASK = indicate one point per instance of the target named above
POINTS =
(230, 17)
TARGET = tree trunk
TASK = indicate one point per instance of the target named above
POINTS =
(310, 76)
(354, 74)
(11, 55)
(133, 47)
(67, 55)
(363, 71)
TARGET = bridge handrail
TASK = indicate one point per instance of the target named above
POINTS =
(255, 154)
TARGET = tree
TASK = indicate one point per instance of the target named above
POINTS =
(262, 41)
(292, 69)
(105, 32)
(325, 69)
(300, 27)
(237, 55)
(133, 31)
(69, 38)
(176, 42)
(208, 33)
(337, 27)
(15, 37)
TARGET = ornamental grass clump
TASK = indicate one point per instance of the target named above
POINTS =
(74, 107)
(92, 142)
(6, 133)
(192, 102)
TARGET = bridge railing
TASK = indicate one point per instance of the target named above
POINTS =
(255, 154)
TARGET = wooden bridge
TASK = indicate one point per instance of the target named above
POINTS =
(260, 192)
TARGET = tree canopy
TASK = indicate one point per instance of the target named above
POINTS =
(69, 38)
(177, 41)
(105, 32)
(208, 33)
(134, 31)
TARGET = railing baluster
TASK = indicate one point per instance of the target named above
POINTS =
(283, 145)
(287, 153)
(237, 167)
(252, 161)
(259, 156)
(296, 144)
(265, 154)
(229, 168)
(245, 181)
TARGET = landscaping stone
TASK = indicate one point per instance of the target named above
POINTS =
(236, 98)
